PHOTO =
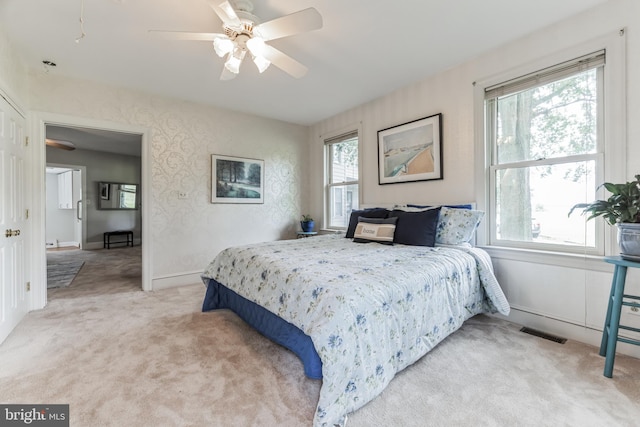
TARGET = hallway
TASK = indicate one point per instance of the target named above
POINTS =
(105, 271)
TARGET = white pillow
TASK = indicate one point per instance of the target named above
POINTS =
(375, 230)
(456, 226)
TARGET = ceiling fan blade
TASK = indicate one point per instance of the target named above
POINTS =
(186, 35)
(225, 12)
(288, 25)
(226, 74)
(284, 62)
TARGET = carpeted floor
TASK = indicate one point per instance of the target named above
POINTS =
(138, 359)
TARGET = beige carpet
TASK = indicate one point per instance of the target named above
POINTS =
(140, 359)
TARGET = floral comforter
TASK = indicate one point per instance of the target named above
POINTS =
(371, 310)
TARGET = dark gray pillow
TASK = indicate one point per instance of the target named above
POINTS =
(365, 213)
(416, 228)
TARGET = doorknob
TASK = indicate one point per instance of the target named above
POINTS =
(11, 233)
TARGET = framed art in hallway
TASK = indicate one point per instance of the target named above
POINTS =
(411, 151)
(105, 190)
(236, 180)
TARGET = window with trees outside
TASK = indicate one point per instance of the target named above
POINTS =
(341, 161)
(544, 131)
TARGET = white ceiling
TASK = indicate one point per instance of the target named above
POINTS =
(97, 139)
(366, 48)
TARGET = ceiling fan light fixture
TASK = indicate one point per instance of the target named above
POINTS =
(59, 143)
(262, 63)
(256, 46)
(234, 61)
(223, 46)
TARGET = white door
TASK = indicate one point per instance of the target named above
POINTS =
(77, 207)
(14, 231)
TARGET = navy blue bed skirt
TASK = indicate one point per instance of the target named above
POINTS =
(268, 324)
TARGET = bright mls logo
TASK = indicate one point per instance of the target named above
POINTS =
(34, 415)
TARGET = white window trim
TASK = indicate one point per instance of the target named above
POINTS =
(356, 127)
(615, 145)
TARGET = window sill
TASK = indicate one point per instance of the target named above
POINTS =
(560, 259)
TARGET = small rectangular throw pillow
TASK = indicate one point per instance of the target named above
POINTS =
(366, 213)
(375, 230)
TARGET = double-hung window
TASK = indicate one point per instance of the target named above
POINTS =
(544, 133)
(341, 183)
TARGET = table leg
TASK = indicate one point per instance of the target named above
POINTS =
(607, 319)
(620, 276)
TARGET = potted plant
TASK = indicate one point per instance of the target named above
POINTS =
(307, 223)
(621, 209)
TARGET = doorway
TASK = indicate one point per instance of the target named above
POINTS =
(64, 219)
(83, 158)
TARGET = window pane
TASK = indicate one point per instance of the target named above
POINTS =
(532, 204)
(344, 158)
(344, 198)
(549, 121)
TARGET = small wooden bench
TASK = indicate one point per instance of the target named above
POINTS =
(109, 234)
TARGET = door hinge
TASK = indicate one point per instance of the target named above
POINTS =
(26, 141)
(28, 286)
(26, 214)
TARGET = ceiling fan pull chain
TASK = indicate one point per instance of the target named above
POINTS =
(82, 34)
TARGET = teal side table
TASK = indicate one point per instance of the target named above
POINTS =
(617, 299)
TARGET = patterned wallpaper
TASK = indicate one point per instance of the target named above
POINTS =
(188, 233)
(13, 72)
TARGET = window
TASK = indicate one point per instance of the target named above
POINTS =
(545, 132)
(341, 154)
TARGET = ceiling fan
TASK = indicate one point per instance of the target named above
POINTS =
(244, 33)
(59, 143)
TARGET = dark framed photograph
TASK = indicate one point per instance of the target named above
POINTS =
(411, 151)
(105, 191)
(236, 180)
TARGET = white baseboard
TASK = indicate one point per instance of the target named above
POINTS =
(175, 280)
(566, 330)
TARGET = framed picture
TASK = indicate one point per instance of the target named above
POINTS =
(236, 180)
(105, 190)
(411, 151)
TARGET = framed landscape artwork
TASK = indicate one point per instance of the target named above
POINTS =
(411, 151)
(236, 180)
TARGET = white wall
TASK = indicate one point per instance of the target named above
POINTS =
(13, 72)
(60, 222)
(569, 300)
(188, 233)
(108, 167)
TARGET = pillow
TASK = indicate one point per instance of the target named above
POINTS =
(379, 230)
(412, 208)
(467, 206)
(416, 228)
(456, 226)
(365, 213)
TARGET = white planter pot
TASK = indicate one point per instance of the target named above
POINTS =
(629, 240)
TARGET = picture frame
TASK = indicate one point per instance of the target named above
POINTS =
(236, 179)
(105, 190)
(411, 151)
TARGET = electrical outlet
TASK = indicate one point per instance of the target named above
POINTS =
(183, 195)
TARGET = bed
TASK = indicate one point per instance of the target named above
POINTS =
(356, 313)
